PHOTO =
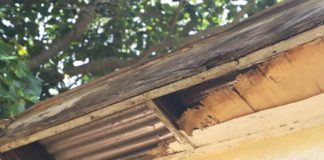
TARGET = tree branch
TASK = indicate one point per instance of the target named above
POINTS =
(244, 10)
(95, 66)
(176, 17)
(179, 43)
(3, 2)
(115, 63)
(63, 43)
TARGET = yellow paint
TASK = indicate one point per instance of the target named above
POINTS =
(308, 144)
(279, 121)
(302, 145)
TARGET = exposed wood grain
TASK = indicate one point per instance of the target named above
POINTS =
(226, 104)
(308, 60)
(168, 124)
(266, 124)
(218, 106)
(280, 81)
(291, 76)
(196, 118)
(181, 69)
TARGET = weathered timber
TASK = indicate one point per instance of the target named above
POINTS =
(267, 124)
(168, 124)
(291, 76)
(219, 106)
(201, 61)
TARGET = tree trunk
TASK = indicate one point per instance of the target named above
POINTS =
(61, 44)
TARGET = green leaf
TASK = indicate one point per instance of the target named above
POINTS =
(4, 94)
(10, 110)
(20, 69)
(8, 58)
(33, 88)
(5, 49)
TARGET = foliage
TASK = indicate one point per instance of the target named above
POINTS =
(18, 86)
(119, 29)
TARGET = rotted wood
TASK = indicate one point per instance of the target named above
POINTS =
(267, 125)
(236, 48)
(292, 76)
(170, 125)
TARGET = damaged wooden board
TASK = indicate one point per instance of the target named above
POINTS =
(292, 76)
(199, 62)
(279, 81)
(288, 119)
(218, 106)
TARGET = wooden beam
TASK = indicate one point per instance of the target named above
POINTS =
(178, 135)
(226, 137)
(197, 63)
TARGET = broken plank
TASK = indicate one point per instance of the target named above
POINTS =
(178, 135)
(291, 76)
(218, 106)
(280, 81)
(273, 122)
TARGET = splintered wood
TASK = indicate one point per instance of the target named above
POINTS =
(161, 149)
(292, 76)
(214, 103)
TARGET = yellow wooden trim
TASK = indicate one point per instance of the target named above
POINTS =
(305, 144)
(267, 124)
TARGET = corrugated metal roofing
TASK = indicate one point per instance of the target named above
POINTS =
(123, 135)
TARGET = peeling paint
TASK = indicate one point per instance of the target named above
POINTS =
(292, 76)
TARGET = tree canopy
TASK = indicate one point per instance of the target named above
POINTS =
(50, 46)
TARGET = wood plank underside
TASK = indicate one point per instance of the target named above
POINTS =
(291, 76)
(268, 124)
(199, 62)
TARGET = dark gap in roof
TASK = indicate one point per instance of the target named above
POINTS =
(32, 151)
(174, 104)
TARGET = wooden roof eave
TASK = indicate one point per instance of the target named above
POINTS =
(248, 43)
